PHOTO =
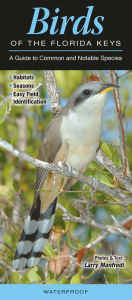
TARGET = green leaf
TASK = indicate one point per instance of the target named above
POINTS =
(106, 179)
(5, 191)
(16, 277)
(74, 243)
(75, 279)
(3, 110)
(59, 222)
(64, 280)
(106, 149)
(2, 119)
(49, 251)
(7, 238)
(52, 282)
(33, 275)
(16, 185)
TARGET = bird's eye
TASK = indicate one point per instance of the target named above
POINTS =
(86, 93)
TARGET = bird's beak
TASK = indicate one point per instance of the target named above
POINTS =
(108, 87)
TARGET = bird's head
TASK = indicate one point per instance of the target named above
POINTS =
(92, 93)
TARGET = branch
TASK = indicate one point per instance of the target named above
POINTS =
(63, 169)
(99, 239)
(84, 79)
(107, 228)
(10, 98)
(122, 131)
(115, 171)
(124, 74)
(87, 219)
(52, 91)
(4, 100)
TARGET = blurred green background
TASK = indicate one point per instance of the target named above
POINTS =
(24, 128)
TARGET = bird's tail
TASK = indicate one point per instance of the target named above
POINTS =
(34, 237)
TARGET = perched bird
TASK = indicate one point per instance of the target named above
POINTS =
(79, 126)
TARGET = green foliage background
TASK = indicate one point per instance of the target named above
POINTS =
(17, 181)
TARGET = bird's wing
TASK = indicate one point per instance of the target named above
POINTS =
(48, 150)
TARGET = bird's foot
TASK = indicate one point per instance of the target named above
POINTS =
(66, 168)
(70, 168)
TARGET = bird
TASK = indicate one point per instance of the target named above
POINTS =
(73, 135)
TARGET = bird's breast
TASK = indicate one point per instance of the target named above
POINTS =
(83, 135)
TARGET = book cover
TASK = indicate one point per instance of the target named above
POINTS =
(65, 149)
